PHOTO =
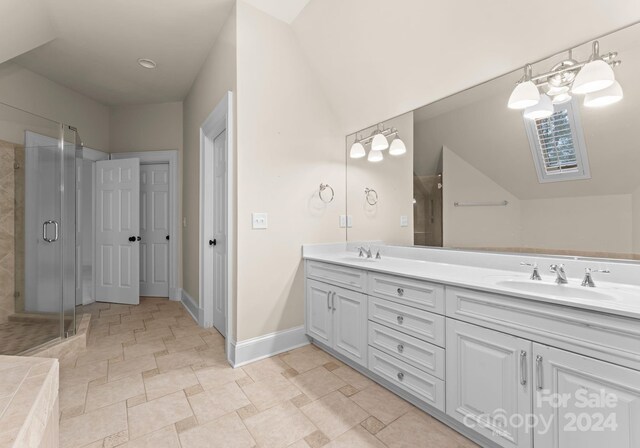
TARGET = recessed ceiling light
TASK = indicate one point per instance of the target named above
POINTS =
(147, 63)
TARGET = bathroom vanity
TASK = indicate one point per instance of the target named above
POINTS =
(472, 340)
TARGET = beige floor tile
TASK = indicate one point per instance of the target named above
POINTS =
(112, 340)
(279, 426)
(360, 438)
(127, 325)
(300, 444)
(174, 361)
(218, 374)
(270, 391)
(166, 322)
(162, 438)
(114, 392)
(213, 355)
(93, 426)
(226, 432)
(416, 428)
(181, 332)
(137, 315)
(334, 414)
(144, 348)
(153, 415)
(381, 403)
(153, 334)
(129, 367)
(266, 367)
(186, 343)
(317, 383)
(73, 396)
(169, 382)
(94, 355)
(306, 358)
(216, 402)
(351, 377)
(82, 374)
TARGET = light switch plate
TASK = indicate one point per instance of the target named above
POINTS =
(343, 221)
(349, 221)
(259, 220)
(404, 221)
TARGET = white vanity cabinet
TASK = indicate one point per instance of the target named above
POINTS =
(488, 380)
(337, 317)
(586, 402)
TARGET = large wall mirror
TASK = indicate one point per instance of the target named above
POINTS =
(473, 171)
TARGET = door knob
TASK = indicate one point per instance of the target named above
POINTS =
(138, 238)
(167, 237)
(213, 242)
(132, 238)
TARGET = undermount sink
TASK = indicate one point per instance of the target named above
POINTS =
(536, 287)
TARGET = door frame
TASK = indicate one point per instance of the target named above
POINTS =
(221, 118)
(169, 156)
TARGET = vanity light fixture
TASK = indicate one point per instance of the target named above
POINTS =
(397, 147)
(357, 150)
(147, 63)
(379, 142)
(569, 77)
(375, 156)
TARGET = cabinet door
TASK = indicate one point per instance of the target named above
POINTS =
(488, 382)
(319, 311)
(584, 403)
(350, 324)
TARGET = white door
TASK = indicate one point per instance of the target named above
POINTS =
(319, 312)
(488, 382)
(588, 403)
(154, 230)
(350, 324)
(218, 241)
(118, 231)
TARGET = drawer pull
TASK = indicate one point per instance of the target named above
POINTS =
(523, 368)
(400, 348)
(539, 373)
(400, 376)
(400, 292)
(400, 320)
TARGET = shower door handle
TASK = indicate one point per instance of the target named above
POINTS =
(45, 227)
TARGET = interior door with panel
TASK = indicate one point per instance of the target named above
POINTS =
(588, 403)
(488, 381)
(118, 231)
(350, 324)
(154, 230)
(220, 232)
(319, 311)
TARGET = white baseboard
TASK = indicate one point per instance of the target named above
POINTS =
(251, 350)
(175, 294)
(191, 306)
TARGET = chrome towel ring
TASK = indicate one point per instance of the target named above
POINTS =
(324, 187)
(371, 196)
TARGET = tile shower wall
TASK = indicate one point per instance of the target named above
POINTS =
(7, 227)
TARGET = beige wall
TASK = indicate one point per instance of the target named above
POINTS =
(635, 198)
(393, 180)
(476, 226)
(26, 25)
(216, 77)
(148, 127)
(288, 143)
(26, 90)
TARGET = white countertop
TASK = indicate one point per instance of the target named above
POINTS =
(621, 299)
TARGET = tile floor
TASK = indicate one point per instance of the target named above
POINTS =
(150, 377)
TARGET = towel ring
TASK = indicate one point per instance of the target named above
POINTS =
(326, 187)
(371, 196)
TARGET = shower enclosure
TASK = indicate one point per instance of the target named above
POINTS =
(38, 276)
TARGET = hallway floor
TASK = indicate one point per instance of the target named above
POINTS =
(150, 377)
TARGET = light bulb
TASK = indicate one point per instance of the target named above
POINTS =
(543, 109)
(375, 156)
(610, 95)
(379, 142)
(397, 147)
(357, 151)
(595, 75)
(561, 98)
(524, 95)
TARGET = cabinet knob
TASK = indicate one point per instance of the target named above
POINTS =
(400, 376)
(400, 292)
(400, 348)
(400, 320)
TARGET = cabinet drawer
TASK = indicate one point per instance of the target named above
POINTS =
(424, 295)
(349, 278)
(418, 383)
(420, 354)
(602, 336)
(421, 324)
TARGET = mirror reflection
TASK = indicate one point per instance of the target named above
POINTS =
(541, 160)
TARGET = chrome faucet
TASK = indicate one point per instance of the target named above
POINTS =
(588, 279)
(561, 275)
(535, 275)
(362, 251)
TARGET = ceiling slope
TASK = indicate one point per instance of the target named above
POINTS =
(25, 26)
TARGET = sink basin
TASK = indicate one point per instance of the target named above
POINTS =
(352, 258)
(552, 289)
